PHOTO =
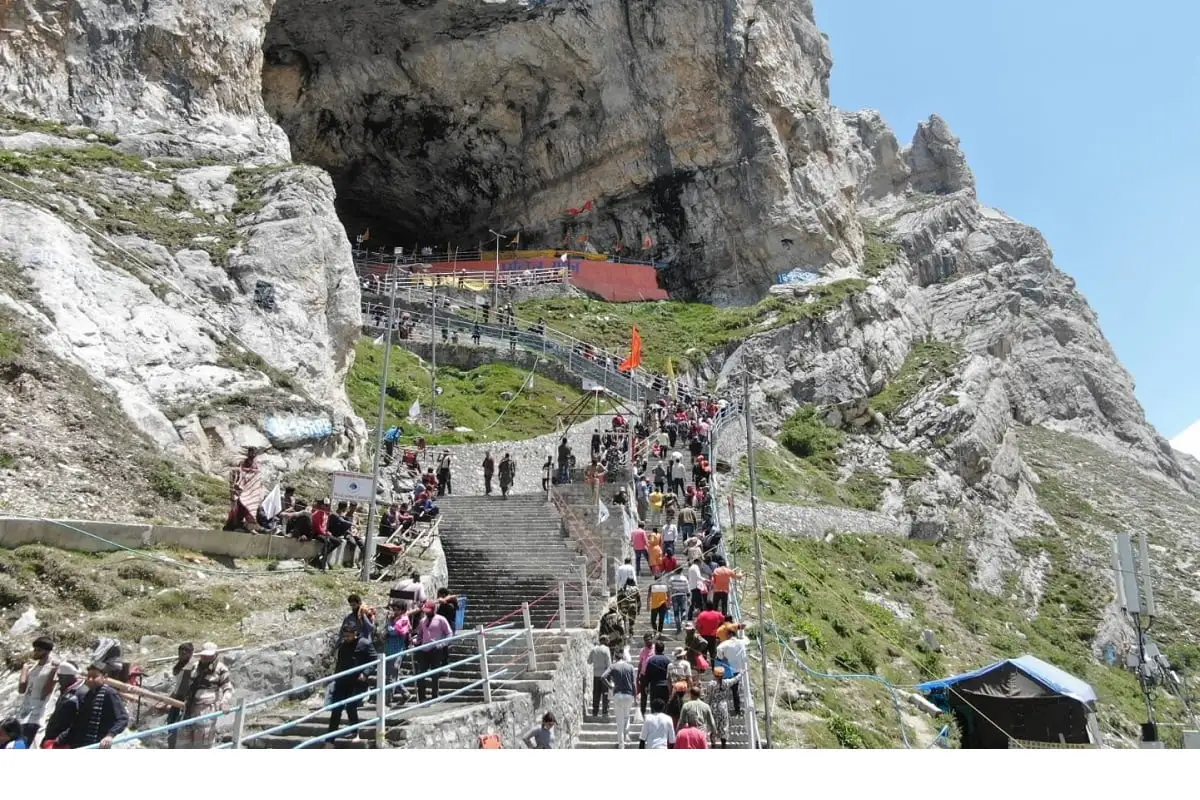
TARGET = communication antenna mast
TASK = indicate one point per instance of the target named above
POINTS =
(1138, 602)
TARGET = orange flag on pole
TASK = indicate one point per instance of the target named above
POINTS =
(635, 354)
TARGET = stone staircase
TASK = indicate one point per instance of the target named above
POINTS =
(549, 647)
(503, 552)
(600, 733)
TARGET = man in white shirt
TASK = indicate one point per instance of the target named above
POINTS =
(626, 573)
(733, 652)
(658, 731)
(670, 534)
(695, 576)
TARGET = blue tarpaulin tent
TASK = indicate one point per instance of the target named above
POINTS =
(1018, 698)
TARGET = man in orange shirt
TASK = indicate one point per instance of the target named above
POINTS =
(658, 597)
(722, 579)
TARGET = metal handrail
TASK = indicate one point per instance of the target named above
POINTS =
(545, 345)
(291, 692)
(724, 417)
(550, 333)
(382, 259)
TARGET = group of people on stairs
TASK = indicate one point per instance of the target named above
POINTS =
(685, 699)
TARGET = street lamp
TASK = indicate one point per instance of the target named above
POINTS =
(496, 279)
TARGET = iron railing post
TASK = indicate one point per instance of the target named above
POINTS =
(562, 605)
(583, 586)
(604, 574)
(381, 701)
(239, 725)
(529, 636)
(481, 643)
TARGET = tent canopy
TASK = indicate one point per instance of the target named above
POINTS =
(1045, 676)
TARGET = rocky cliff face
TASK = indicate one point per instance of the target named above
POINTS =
(704, 126)
(145, 198)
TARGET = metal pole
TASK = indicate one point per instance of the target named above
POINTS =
(239, 725)
(481, 643)
(758, 561)
(583, 584)
(369, 547)
(529, 636)
(604, 572)
(496, 276)
(562, 605)
(433, 362)
(381, 701)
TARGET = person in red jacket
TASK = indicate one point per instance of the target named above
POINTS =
(708, 622)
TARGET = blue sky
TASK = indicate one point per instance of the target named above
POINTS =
(1080, 117)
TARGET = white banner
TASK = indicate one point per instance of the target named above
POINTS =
(354, 487)
(603, 514)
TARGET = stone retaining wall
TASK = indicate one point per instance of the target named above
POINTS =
(16, 531)
(513, 716)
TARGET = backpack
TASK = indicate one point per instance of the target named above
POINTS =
(627, 600)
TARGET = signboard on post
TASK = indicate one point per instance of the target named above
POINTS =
(354, 487)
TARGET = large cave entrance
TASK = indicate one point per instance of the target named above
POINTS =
(442, 119)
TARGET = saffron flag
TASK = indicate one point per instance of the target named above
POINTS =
(635, 354)
(647, 242)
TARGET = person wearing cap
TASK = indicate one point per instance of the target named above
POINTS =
(716, 695)
(433, 630)
(209, 689)
(680, 669)
(71, 692)
(102, 716)
(35, 687)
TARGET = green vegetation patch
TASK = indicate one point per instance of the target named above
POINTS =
(470, 398)
(683, 332)
(785, 478)
(20, 122)
(880, 251)
(908, 466)
(817, 588)
(69, 160)
(926, 364)
(807, 436)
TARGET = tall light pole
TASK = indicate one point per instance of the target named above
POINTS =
(758, 559)
(496, 278)
(433, 359)
(369, 547)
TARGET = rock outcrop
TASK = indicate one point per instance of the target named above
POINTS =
(154, 234)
